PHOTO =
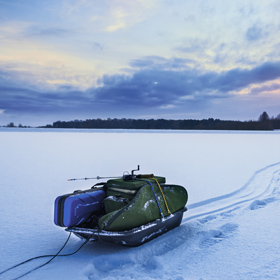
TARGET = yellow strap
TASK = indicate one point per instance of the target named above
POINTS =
(162, 195)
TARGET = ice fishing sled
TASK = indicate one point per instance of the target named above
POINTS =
(130, 210)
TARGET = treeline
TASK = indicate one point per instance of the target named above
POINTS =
(263, 123)
(11, 124)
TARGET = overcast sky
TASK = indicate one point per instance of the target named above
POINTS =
(80, 59)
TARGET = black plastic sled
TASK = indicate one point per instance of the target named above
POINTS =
(133, 237)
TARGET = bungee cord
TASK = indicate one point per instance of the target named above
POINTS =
(161, 213)
(163, 196)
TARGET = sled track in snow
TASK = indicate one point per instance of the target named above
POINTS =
(257, 192)
(201, 230)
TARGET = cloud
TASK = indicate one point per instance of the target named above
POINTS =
(160, 86)
(236, 79)
(109, 16)
(254, 33)
(119, 15)
(13, 31)
(57, 32)
(194, 45)
(97, 46)
(168, 106)
(26, 101)
(271, 88)
(150, 89)
(157, 62)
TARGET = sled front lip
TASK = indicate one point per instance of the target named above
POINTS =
(133, 237)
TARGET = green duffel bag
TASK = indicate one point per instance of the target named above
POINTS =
(113, 203)
(129, 188)
(144, 209)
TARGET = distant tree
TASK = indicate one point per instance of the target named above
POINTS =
(265, 123)
(11, 124)
(276, 122)
(264, 117)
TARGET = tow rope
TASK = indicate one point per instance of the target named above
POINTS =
(44, 256)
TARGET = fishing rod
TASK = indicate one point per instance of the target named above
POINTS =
(94, 178)
(126, 176)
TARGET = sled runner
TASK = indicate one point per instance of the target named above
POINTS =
(130, 210)
(133, 237)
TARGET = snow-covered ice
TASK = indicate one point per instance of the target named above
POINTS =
(231, 230)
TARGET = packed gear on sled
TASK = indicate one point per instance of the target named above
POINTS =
(130, 210)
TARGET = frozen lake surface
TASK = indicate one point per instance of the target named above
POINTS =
(231, 230)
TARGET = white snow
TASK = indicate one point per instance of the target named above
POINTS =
(231, 230)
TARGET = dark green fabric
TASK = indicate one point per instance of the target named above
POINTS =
(113, 203)
(127, 189)
(144, 209)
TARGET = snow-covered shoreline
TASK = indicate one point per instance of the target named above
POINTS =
(95, 130)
